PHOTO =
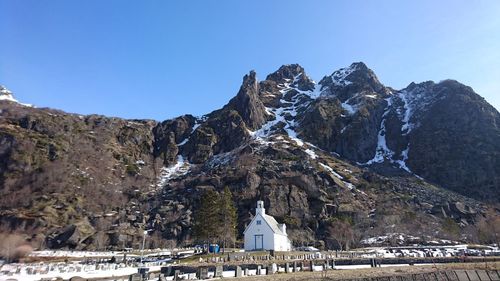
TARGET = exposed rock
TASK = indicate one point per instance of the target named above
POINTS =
(248, 104)
(347, 149)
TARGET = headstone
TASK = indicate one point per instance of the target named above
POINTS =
(218, 271)
(176, 274)
(166, 270)
(269, 269)
(135, 277)
(202, 273)
(274, 268)
(238, 272)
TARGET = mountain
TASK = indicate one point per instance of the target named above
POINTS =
(423, 161)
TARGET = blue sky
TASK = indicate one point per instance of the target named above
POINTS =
(161, 59)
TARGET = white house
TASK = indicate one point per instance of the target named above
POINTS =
(264, 232)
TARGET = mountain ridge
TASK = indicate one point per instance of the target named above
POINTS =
(339, 148)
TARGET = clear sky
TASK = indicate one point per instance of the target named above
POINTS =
(160, 59)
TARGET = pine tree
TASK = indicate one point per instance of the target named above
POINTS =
(206, 223)
(227, 218)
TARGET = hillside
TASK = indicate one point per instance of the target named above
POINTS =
(423, 161)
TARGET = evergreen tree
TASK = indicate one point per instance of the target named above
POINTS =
(206, 224)
(216, 218)
(227, 218)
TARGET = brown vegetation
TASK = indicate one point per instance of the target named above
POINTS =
(13, 247)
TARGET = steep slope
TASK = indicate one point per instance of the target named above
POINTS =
(453, 137)
(347, 148)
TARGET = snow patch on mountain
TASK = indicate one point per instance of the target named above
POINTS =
(6, 95)
(415, 100)
(179, 169)
(311, 153)
(339, 77)
(382, 151)
(351, 109)
(329, 169)
(285, 115)
(402, 162)
(196, 125)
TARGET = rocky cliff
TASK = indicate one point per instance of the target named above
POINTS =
(422, 160)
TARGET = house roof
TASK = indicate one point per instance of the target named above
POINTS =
(273, 224)
(271, 221)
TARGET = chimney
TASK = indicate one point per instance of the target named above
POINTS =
(260, 208)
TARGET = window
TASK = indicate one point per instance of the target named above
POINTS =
(259, 222)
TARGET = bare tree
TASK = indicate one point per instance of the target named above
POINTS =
(101, 240)
(13, 247)
(342, 233)
(489, 230)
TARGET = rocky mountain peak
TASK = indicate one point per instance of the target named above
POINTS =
(5, 94)
(286, 72)
(352, 150)
(247, 102)
(355, 78)
(292, 74)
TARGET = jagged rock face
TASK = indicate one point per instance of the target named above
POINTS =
(169, 134)
(345, 148)
(248, 104)
(455, 141)
(346, 117)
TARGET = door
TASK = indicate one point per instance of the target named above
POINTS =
(259, 242)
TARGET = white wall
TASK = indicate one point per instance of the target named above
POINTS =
(263, 229)
(281, 243)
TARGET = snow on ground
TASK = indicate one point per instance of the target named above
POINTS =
(73, 254)
(178, 169)
(347, 184)
(329, 169)
(67, 271)
(311, 153)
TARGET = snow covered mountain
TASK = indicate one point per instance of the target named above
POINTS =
(423, 160)
(6, 95)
